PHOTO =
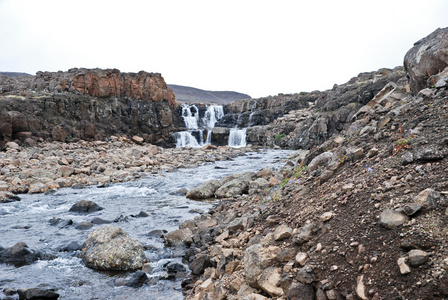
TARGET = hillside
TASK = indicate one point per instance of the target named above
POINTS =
(187, 94)
(362, 215)
(14, 74)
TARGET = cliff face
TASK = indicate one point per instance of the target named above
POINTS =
(86, 104)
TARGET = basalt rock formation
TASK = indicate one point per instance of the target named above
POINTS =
(87, 104)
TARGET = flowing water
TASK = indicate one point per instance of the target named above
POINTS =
(28, 221)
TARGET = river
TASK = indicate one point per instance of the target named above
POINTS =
(28, 221)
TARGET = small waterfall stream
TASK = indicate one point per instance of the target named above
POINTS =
(237, 138)
(194, 136)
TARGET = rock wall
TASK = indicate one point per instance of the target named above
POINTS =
(86, 104)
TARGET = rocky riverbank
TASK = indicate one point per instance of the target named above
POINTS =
(361, 216)
(52, 165)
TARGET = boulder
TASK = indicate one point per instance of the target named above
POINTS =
(85, 206)
(179, 237)
(137, 279)
(6, 197)
(282, 232)
(204, 191)
(110, 248)
(427, 198)
(427, 58)
(319, 161)
(300, 291)
(19, 255)
(235, 187)
(37, 293)
(257, 258)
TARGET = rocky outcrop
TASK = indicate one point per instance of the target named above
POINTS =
(86, 104)
(110, 248)
(426, 60)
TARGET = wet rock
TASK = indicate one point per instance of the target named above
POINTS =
(19, 255)
(175, 270)
(84, 225)
(60, 222)
(392, 218)
(427, 198)
(157, 233)
(417, 257)
(137, 279)
(85, 206)
(6, 197)
(300, 291)
(37, 293)
(99, 221)
(71, 247)
(179, 237)
(110, 248)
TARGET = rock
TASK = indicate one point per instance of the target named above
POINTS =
(431, 153)
(282, 232)
(404, 268)
(71, 247)
(19, 255)
(326, 216)
(269, 280)
(259, 184)
(85, 206)
(137, 279)
(392, 218)
(37, 293)
(179, 237)
(6, 197)
(427, 198)
(235, 187)
(37, 188)
(305, 275)
(319, 161)
(411, 208)
(137, 140)
(204, 191)
(427, 58)
(84, 225)
(110, 248)
(301, 258)
(12, 145)
(304, 234)
(360, 288)
(256, 259)
(417, 257)
(300, 291)
(348, 187)
(66, 171)
(200, 263)
(286, 254)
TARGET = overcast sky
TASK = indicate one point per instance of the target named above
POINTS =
(256, 47)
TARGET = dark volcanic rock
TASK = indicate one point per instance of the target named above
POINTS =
(87, 104)
(138, 279)
(19, 255)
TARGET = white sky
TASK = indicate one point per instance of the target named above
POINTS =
(251, 46)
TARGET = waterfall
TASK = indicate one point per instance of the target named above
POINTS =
(237, 138)
(196, 125)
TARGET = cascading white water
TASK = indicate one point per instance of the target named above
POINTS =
(237, 137)
(190, 114)
(212, 115)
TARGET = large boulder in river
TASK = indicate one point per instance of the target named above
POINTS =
(85, 206)
(37, 293)
(426, 59)
(110, 248)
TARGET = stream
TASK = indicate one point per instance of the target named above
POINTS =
(28, 221)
